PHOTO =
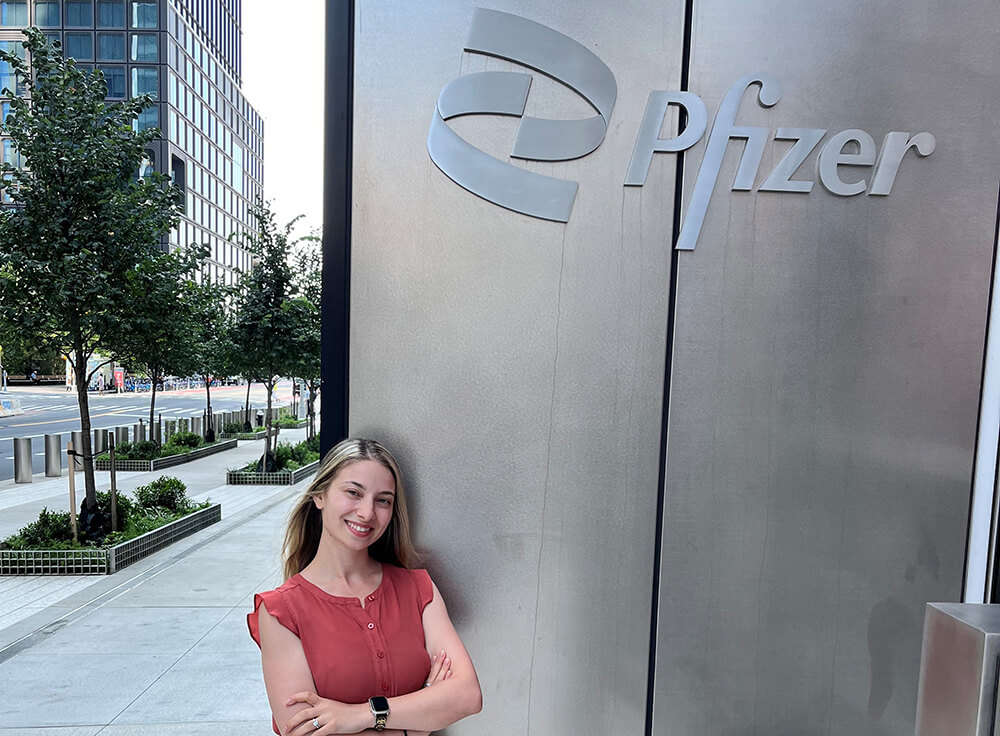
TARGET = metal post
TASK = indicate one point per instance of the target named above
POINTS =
(139, 430)
(114, 486)
(196, 425)
(157, 431)
(100, 441)
(53, 455)
(22, 460)
(170, 430)
(76, 465)
(72, 490)
(121, 434)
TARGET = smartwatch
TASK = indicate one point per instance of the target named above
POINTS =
(380, 709)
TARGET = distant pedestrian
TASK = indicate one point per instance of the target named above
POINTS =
(34, 377)
(100, 383)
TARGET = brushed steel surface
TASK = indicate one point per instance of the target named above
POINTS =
(826, 375)
(53, 455)
(22, 460)
(958, 670)
(516, 365)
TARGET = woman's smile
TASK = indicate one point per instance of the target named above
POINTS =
(360, 530)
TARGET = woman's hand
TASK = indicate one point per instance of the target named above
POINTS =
(440, 669)
(332, 716)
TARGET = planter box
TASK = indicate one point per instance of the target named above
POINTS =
(279, 478)
(105, 561)
(149, 466)
(248, 435)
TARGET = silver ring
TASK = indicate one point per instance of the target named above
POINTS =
(316, 723)
(427, 684)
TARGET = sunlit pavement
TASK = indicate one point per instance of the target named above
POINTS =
(160, 647)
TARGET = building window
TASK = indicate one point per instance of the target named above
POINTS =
(110, 47)
(80, 45)
(144, 14)
(54, 38)
(14, 13)
(145, 81)
(114, 77)
(110, 13)
(46, 13)
(11, 155)
(148, 164)
(8, 80)
(144, 47)
(148, 118)
(79, 14)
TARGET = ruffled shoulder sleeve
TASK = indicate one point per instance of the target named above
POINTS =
(278, 605)
(425, 589)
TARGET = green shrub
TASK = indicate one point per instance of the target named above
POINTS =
(52, 530)
(282, 455)
(186, 439)
(286, 421)
(232, 427)
(145, 450)
(125, 506)
(166, 492)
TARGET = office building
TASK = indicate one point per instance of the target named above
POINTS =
(186, 54)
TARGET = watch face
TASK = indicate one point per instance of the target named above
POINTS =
(380, 704)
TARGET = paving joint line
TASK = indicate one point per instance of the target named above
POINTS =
(44, 632)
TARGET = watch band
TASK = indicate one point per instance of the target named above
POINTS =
(380, 709)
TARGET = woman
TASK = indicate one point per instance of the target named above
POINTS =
(355, 639)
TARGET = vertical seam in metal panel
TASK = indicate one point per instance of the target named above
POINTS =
(990, 581)
(667, 367)
(337, 186)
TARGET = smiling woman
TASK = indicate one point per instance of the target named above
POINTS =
(356, 639)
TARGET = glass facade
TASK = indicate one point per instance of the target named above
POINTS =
(186, 55)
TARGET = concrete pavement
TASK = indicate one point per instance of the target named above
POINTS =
(159, 647)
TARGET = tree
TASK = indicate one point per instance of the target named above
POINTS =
(81, 220)
(159, 336)
(265, 330)
(212, 338)
(307, 358)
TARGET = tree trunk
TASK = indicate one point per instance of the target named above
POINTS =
(246, 411)
(311, 409)
(80, 369)
(209, 429)
(208, 394)
(267, 421)
(153, 376)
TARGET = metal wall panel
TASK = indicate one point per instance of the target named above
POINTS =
(826, 376)
(516, 365)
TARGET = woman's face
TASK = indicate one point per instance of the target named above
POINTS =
(357, 504)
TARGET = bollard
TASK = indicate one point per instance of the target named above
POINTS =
(158, 432)
(100, 441)
(76, 465)
(22, 460)
(196, 426)
(183, 425)
(53, 455)
(121, 435)
(139, 432)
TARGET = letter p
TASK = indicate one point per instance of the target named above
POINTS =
(648, 141)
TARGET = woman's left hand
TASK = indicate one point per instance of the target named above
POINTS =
(332, 716)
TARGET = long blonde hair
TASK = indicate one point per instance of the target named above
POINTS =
(305, 525)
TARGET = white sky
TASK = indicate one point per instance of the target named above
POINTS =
(283, 80)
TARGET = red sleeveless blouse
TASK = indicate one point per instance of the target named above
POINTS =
(355, 653)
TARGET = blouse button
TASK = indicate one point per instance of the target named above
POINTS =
(371, 626)
(385, 686)
(371, 597)
(381, 654)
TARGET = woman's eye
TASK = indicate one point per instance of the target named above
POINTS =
(352, 492)
(385, 501)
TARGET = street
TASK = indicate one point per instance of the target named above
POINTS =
(54, 410)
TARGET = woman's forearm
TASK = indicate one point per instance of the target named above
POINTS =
(434, 708)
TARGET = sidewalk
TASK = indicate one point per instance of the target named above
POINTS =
(160, 647)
